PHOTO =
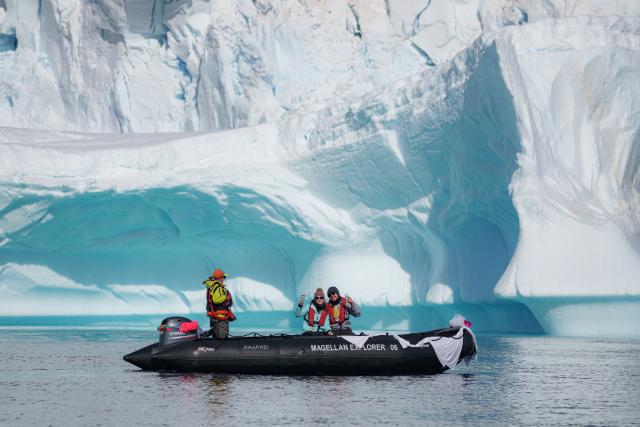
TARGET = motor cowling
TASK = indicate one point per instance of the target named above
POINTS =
(177, 329)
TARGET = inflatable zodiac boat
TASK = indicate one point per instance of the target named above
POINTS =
(185, 349)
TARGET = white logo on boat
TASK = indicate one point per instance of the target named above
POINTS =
(206, 349)
(255, 347)
(348, 347)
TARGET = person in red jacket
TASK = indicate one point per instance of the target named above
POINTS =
(219, 302)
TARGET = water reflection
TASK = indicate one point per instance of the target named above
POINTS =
(516, 380)
(467, 379)
(188, 378)
(218, 393)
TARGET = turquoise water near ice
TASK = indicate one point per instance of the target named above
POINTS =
(68, 375)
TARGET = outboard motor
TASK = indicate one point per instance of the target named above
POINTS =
(177, 329)
(172, 330)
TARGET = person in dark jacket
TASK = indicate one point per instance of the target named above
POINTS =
(338, 310)
(219, 302)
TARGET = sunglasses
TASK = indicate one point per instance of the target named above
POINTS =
(319, 297)
(333, 293)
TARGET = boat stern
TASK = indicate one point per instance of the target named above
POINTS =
(141, 358)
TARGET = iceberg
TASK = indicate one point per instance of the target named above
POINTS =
(477, 157)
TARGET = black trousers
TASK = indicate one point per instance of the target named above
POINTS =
(342, 330)
(219, 328)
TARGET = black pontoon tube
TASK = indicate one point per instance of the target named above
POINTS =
(416, 353)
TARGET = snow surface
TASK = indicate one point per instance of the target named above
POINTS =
(426, 157)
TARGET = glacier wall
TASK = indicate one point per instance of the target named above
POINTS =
(152, 65)
(200, 65)
(425, 157)
(576, 190)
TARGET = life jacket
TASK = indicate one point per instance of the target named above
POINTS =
(311, 315)
(222, 314)
(342, 312)
(218, 301)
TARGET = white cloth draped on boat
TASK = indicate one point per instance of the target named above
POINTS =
(447, 349)
(357, 340)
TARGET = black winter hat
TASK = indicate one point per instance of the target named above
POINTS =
(333, 289)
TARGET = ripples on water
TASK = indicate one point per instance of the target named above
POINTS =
(78, 377)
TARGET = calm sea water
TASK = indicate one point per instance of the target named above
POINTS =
(78, 377)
